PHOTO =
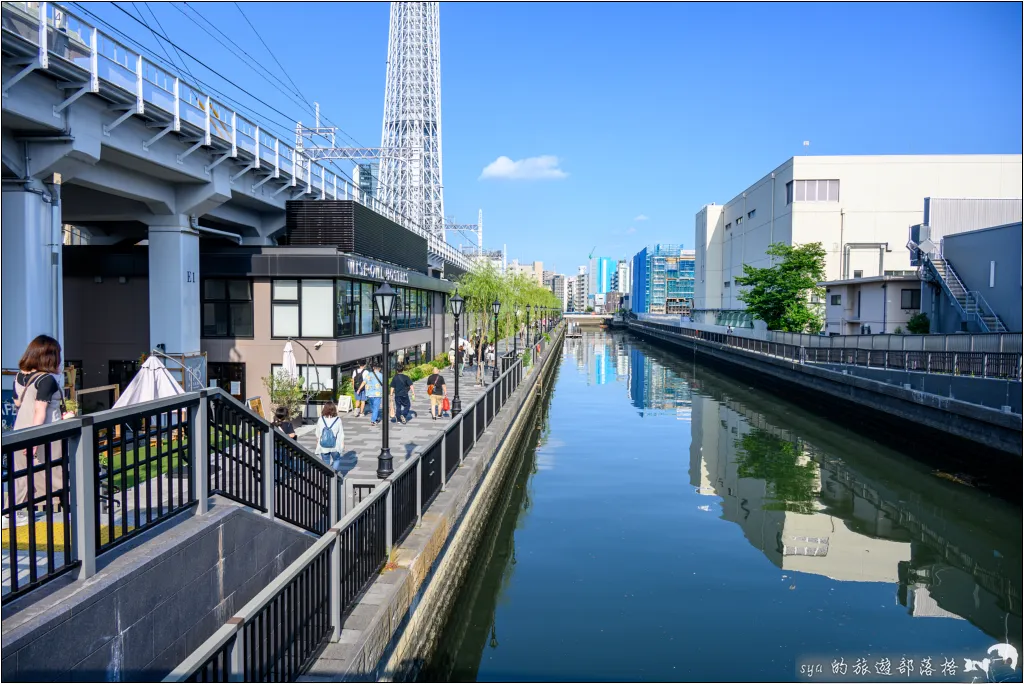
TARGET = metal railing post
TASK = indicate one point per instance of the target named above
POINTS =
(236, 653)
(268, 471)
(444, 462)
(335, 505)
(83, 501)
(419, 490)
(200, 415)
(462, 437)
(388, 539)
(336, 589)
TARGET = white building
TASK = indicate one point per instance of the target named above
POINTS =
(624, 275)
(533, 270)
(859, 207)
(871, 306)
(560, 286)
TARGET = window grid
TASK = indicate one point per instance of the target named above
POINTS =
(227, 308)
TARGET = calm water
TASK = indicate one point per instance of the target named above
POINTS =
(667, 522)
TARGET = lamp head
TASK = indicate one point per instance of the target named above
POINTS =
(457, 303)
(384, 301)
(496, 307)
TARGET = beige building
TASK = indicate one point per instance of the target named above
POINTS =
(871, 306)
(859, 207)
(533, 270)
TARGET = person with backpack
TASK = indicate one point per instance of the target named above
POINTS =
(437, 391)
(401, 388)
(330, 437)
(373, 386)
(357, 386)
(39, 400)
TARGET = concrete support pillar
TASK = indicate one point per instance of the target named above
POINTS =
(174, 315)
(31, 266)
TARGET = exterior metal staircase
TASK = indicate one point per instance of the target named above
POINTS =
(972, 304)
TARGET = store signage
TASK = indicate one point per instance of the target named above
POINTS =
(375, 271)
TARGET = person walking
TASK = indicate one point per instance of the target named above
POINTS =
(489, 364)
(357, 385)
(39, 400)
(282, 421)
(401, 389)
(460, 359)
(437, 391)
(373, 386)
(330, 437)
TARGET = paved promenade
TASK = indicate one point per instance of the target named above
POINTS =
(362, 441)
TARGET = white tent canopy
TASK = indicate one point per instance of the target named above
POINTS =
(152, 382)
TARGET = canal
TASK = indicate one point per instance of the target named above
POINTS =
(666, 522)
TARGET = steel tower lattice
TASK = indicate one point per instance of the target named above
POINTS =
(412, 116)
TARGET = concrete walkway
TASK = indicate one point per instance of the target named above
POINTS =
(362, 441)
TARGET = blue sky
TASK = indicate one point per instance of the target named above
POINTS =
(649, 109)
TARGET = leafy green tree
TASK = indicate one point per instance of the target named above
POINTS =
(919, 324)
(284, 390)
(780, 295)
(791, 484)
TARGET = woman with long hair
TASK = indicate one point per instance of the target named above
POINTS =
(38, 398)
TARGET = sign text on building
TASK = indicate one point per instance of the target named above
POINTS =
(368, 269)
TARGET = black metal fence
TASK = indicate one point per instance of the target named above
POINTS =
(37, 505)
(278, 632)
(1001, 365)
(363, 548)
(281, 638)
(142, 464)
(302, 486)
(77, 488)
(236, 453)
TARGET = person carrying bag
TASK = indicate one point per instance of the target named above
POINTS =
(330, 437)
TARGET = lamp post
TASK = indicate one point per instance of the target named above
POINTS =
(383, 302)
(456, 304)
(495, 307)
(526, 339)
(316, 368)
(515, 334)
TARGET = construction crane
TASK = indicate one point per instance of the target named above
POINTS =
(592, 250)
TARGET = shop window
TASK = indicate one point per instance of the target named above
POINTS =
(284, 311)
(227, 308)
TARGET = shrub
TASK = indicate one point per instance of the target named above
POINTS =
(347, 389)
(441, 360)
(919, 324)
(897, 331)
(284, 390)
(527, 359)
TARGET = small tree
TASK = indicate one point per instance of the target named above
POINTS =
(284, 390)
(780, 295)
(919, 324)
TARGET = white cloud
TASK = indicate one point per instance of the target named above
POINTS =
(631, 230)
(531, 168)
(641, 217)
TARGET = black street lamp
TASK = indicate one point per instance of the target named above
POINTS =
(515, 334)
(456, 304)
(529, 307)
(384, 301)
(495, 307)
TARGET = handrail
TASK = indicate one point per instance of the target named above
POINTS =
(226, 636)
(221, 121)
(980, 308)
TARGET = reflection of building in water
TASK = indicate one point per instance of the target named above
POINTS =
(810, 512)
(653, 386)
(784, 514)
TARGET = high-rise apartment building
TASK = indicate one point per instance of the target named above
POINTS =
(560, 286)
(663, 280)
(600, 275)
(533, 270)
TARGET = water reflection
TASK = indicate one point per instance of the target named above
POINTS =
(638, 542)
(810, 511)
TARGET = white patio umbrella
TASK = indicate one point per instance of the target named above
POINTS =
(152, 382)
(288, 361)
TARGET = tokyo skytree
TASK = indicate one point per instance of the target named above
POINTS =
(410, 177)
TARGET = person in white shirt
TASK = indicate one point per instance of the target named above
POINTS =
(330, 437)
